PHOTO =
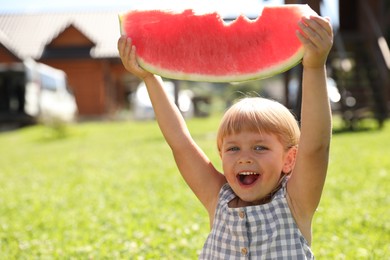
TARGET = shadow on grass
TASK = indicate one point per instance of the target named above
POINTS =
(359, 127)
(339, 131)
(51, 134)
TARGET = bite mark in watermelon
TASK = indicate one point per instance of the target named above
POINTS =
(188, 46)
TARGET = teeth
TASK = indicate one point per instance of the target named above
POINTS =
(248, 173)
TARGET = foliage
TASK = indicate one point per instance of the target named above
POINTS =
(111, 190)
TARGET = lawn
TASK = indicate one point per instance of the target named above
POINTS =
(111, 190)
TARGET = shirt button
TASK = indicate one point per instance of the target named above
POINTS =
(244, 251)
(241, 214)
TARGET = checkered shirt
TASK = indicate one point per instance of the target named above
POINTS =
(257, 232)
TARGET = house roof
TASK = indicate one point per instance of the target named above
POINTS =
(26, 35)
(5, 42)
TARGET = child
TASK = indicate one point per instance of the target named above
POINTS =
(262, 206)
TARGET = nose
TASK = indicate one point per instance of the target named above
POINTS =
(245, 159)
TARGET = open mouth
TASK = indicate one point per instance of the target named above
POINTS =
(247, 178)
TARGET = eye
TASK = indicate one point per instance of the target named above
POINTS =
(233, 149)
(260, 148)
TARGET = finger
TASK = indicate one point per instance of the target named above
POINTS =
(303, 38)
(121, 44)
(315, 30)
(313, 43)
(322, 31)
(127, 49)
(133, 60)
(123, 47)
(133, 57)
(134, 63)
(324, 23)
(307, 29)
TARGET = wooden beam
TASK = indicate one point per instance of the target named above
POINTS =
(314, 4)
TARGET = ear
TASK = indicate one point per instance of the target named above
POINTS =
(289, 160)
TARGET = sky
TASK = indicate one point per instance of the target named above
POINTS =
(29, 6)
(224, 7)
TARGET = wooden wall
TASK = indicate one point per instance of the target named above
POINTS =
(91, 79)
(6, 56)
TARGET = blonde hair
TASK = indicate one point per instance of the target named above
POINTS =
(256, 114)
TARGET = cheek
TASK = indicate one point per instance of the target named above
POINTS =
(230, 177)
(227, 168)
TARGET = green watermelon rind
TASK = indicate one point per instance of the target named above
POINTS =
(121, 29)
(283, 66)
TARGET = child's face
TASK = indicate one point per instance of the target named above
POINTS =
(253, 164)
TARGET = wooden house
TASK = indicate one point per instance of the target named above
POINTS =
(81, 44)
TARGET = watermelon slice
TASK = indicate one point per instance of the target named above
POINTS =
(202, 47)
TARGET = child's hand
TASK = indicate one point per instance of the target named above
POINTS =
(316, 36)
(127, 55)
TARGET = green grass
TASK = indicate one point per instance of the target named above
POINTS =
(112, 191)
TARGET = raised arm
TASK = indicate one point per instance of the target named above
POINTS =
(308, 177)
(195, 167)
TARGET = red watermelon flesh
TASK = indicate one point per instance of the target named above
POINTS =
(203, 47)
